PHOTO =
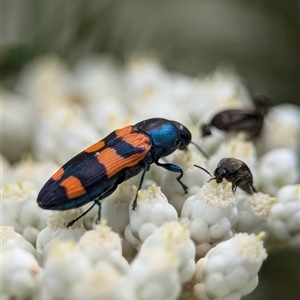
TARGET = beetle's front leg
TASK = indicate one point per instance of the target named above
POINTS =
(177, 169)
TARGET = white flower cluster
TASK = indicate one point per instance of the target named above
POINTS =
(229, 271)
(285, 216)
(211, 215)
(172, 241)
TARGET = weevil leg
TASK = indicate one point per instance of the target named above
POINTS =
(253, 190)
(174, 168)
(134, 204)
(96, 201)
(235, 184)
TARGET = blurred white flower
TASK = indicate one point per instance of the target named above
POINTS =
(21, 275)
(239, 148)
(229, 270)
(155, 272)
(253, 212)
(281, 128)
(277, 168)
(47, 83)
(219, 90)
(37, 172)
(103, 282)
(63, 133)
(285, 217)
(20, 209)
(17, 125)
(64, 267)
(9, 238)
(176, 237)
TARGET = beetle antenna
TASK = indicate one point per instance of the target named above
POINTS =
(204, 170)
(203, 153)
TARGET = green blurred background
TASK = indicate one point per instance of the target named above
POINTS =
(260, 39)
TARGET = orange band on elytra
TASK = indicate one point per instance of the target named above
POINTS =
(113, 162)
(58, 174)
(95, 147)
(73, 187)
(123, 131)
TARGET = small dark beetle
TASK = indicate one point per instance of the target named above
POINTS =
(247, 120)
(236, 172)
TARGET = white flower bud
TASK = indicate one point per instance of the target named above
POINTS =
(176, 237)
(281, 128)
(151, 212)
(221, 90)
(148, 87)
(9, 238)
(16, 125)
(278, 168)
(103, 282)
(65, 129)
(64, 267)
(99, 78)
(285, 215)
(45, 82)
(20, 208)
(21, 276)
(103, 244)
(155, 272)
(212, 214)
(57, 230)
(229, 270)
(254, 211)
(36, 172)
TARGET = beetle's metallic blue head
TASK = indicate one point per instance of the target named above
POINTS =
(166, 136)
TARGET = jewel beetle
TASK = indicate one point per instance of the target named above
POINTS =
(247, 120)
(95, 173)
(235, 171)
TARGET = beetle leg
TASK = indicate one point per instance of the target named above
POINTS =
(235, 184)
(177, 169)
(83, 214)
(134, 204)
(253, 190)
(96, 201)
